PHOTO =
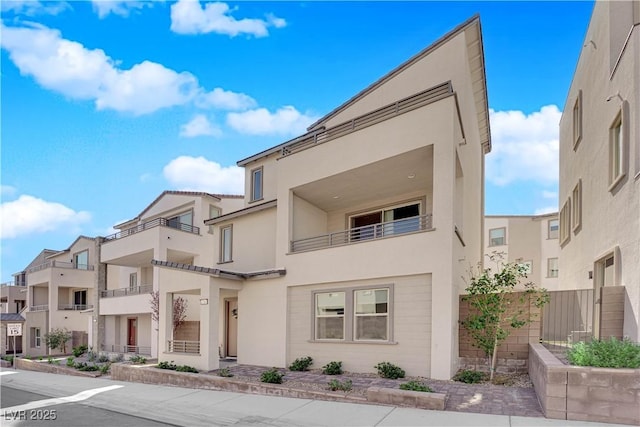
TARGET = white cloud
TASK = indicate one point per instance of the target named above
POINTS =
(549, 194)
(546, 210)
(34, 7)
(69, 68)
(199, 126)
(524, 147)
(7, 190)
(225, 100)
(285, 121)
(122, 8)
(190, 17)
(200, 174)
(29, 214)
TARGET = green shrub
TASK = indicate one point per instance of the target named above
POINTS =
(79, 350)
(70, 362)
(27, 357)
(469, 376)
(40, 358)
(416, 386)
(301, 364)
(224, 372)
(138, 359)
(389, 370)
(82, 366)
(103, 358)
(8, 359)
(272, 376)
(335, 385)
(186, 368)
(91, 355)
(167, 365)
(332, 368)
(104, 369)
(50, 360)
(610, 353)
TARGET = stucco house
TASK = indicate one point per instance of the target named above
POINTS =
(599, 194)
(354, 237)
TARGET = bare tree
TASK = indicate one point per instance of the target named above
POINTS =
(179, 309)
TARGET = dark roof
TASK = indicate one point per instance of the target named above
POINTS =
(11, 317)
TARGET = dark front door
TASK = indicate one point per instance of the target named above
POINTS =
(131, 334)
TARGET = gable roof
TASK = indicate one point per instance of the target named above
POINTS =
(11, 317)
(55, 253)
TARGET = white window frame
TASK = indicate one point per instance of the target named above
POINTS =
(257, 191)
(577, 120)
(504, 236)
(576, 208)
(77, 255)
(356, 315)
(550, 270)
(226, 240)
(325, 316)
(557, 230)
(616, 151)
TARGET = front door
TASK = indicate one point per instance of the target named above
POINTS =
(131, 335)
(604, 276)
(232, 328)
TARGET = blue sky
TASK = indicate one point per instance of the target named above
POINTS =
(107, 104)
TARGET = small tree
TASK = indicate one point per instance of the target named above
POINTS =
(179, 310)
(58, 338)
(491, 318)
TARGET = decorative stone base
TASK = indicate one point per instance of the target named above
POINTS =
(504, 366)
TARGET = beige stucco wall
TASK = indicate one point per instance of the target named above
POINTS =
(410, 325)
(270, 183)
(610, 219)
(12, 294)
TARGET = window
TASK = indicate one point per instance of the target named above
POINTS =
(81, 260)
(214, 212)
(577, 120)
(226, 237)
(36, 340)
(133, 281)
(565, 221)
(386, 222)
(183, 221)
(553, 226)
(552, 267)
(497, 236)
(576, 207)
(371, 314)
(527, 265)
(330, 316)
(616, 149)
(80, 300)
(256, 184)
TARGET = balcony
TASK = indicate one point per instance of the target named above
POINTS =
(158, 222)
(74, 307)
(42, 307)
(123, 292)
(134, 349)
(364, 234)
(59, 264)
(192, 347)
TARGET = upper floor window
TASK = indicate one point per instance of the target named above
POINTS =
(386, 222)
(577, 120)
(497, 236)
(565, 221)
(256, 184)
(181, 221)
(81, 260)
(214, 212)
(616, 151)
(226, 238)
(553, 228)
(576, 207)
(552, 267)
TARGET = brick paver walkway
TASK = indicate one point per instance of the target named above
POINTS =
(477, 398)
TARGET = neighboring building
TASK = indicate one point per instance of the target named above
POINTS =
(61, 289)
(7, 342)
(600, 165)
(12, 297)
(528, 239)
(354, 237)
(171, 228)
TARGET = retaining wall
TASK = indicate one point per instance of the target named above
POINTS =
(583, 393)
(31, 365)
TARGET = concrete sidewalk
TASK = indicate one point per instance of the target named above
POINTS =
(188, 407)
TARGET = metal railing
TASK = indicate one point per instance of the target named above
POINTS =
(363, 234)
(158, 222)
(74, 306)
(13, 283)
(123, 292)
(42, 307)
(176, 346)
(59, 264)
(119, 348)
(567, 318)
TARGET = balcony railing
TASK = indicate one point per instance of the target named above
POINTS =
(14, 283)
(59, 264)
(123, 292)
(119, 348)
(158, 222)
(363, 234)
(74, 306)
(184, 346)
(42, 307)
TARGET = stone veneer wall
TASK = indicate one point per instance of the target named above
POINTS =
(584, 394)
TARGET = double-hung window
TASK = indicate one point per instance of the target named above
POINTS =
(497, 236)
(256, 184)
(226, 243)
(371, 314)
(330, 316)
(553, 228)
(552, 267)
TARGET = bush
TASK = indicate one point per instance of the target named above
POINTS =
(91, 355)
(335, 385)
(389, 370)
(104, 369)
(50, 360)
(224, 372)
(115, 359)
(57, 339)
(167, 365)
(8, 359)
(103, 358)
(138, 359)
(469, 376)
(272, 376)
(301, 364)
(82, 366)
(416, 386)
(332, 368)
(186, 368)
(610, 353)
(70, 362)
(79, 350)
